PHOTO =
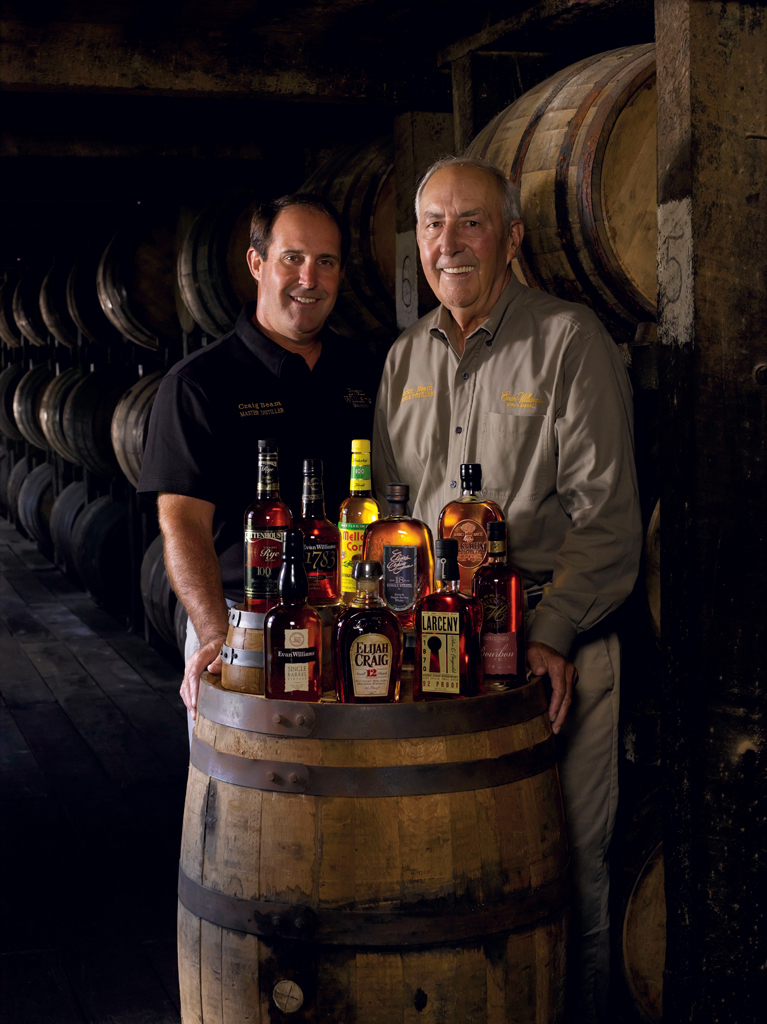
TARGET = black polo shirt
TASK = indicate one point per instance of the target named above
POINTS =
(214, 406)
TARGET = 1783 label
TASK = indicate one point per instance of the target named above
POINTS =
(440, 653)
(263, 561)
(400, 567)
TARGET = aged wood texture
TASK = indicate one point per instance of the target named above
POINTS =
(712, 250)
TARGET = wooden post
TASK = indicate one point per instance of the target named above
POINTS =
(419, 140)
(712, 302)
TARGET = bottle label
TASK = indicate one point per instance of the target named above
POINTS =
(313, 489)
(499, 654)
(320, 559)
(351, 552)
(268, 478)
(360, 475)
(472, 543)
(263, 561)
(495, 614)
(400, 567)
(440, 650)
(370, 661)
(294, 659)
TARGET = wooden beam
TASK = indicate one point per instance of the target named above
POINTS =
(712, 298)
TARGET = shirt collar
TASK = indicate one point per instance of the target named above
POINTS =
(442, 318)
(276, 359)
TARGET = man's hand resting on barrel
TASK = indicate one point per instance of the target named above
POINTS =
(543, 660)
(204, 658)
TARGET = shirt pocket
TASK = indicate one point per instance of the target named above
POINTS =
(514, 452)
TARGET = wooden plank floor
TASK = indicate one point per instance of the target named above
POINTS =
(93, 763)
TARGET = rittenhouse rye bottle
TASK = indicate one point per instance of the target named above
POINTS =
(447, 625)
(367, 643)
(265, 523)
(293, 632)
(405, 549)
(359, 509)
(498, 588)
(466, 519)
(321, 539)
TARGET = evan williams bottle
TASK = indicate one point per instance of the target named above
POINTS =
(293, 632)
(265, 523)
(404, 548)
(359, 509)
(447, 625)
(321, 539)
(465, 520)
(498, 588)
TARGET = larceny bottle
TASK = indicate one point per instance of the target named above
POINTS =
(293, 632)
(405, 549)
(367, 643)
(447, 625)
(356, 511)
(321, 539)
(466, 519)
(265, 523)
(498, 588)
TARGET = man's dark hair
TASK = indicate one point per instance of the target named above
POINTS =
(262, 224)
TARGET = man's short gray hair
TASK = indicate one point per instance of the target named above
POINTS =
(509, 193)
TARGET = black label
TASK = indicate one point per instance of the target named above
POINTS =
(320, 559)
(400, 565)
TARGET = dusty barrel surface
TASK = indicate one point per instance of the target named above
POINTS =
(581, 146)
(369, 867)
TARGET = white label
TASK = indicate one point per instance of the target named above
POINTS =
(675, 258)
(296, 673)
(370, 660)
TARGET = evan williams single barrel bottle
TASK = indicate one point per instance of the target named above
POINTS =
(359, 509)
(465, 520)
(321, 539)
(498, 588)
(265, 523)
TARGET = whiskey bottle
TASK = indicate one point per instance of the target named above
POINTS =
(367, 643)
(321, 539)
(293, 632)
(405, 549)
(447, 627)
(498, 588)
(466, 519)
(265, 523)
(356, 511)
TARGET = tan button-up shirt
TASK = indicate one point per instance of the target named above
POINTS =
(541, 398)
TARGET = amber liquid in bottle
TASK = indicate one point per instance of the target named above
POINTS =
(265, 523)
(293, 632)
(322, 540)
(498, 588)
(405, 549)
(356, 511)
(447, 626)
(465, 520)
(367, 644)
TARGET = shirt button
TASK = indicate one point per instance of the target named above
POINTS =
(459, 430)
(465, 376)
(453, 483)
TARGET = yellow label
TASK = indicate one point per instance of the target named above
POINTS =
(370, 658)
(352, 535)
(440, 652)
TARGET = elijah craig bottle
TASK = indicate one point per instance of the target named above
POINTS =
(498, 588)
(321, 539)
(293, 632)
(447, 626)
(367, 643)
(466, 519)
(265, 523)
(356, 511)
(404, 548)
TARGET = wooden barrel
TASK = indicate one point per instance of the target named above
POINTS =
(53, 303)
(66, 508)
(652, 568)
(52, 412)
(9, 382)
(83, 299)
(212, 269)
(100, 550)
(5, 472)
(179, 622)
(374, 866)
(27, 403)
(88, 416)
(16, 478)
(360, 184)
(130, 424)
(35, 504)
(136, 278)
(243, 653)
(26, 307)
(156, 592)
(581, 146)
(9, 331)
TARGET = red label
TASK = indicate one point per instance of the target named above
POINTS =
(499, 654)
(265, 554)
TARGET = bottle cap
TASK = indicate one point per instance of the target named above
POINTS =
(312, 467)
(361, 446)
(293, 544)
(496, 531)
(367, 570)
(269, 445)
(399, 494)
(471, 476)
(446, 559)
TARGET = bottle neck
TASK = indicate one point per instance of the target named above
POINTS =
(496, 553)
(293, 582)
(397, 510)
(268, 485)
(447, 586)
(312, 499)
(359, 480)
(368, 594)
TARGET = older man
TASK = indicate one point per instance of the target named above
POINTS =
(535, 390)
(279, 374)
